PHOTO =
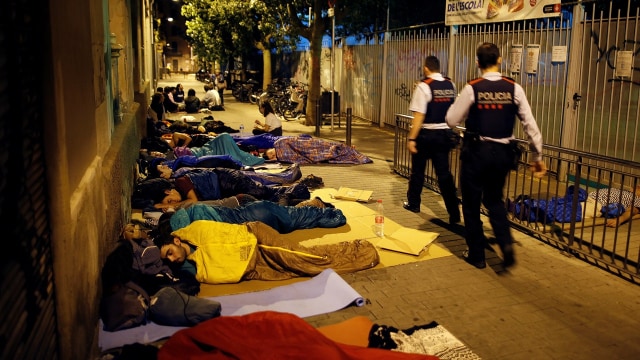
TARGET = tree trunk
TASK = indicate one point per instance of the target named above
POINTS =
(266, 66)
(317, 31)
(266, 77)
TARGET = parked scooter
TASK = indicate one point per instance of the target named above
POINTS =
(295, 105)
(243, 90)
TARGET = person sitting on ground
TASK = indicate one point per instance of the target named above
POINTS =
(155, 113)
(169, 104)
(212, 184)
(211, 98)
(271, 125)
(191, 102)
(179, 94)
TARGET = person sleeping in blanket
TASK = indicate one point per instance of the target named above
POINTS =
(630, 200)
(212, 184)
(219, 253)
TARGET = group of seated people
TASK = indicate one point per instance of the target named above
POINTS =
(173, 98)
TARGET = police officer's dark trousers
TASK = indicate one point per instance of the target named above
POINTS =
(434, 145)
(484, 168)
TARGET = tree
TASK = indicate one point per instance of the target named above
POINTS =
(222, 29)
(355, 18)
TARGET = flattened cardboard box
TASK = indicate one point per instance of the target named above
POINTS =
(345, 193)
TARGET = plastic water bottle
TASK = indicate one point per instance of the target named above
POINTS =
(241, 129)
(379, 221)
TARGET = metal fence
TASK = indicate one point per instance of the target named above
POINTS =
(582, 231)
(581, 74)
(582, 95)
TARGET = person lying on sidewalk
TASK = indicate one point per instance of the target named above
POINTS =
(219, 253)
(212, 184)
(305, 149)
(308, 214)
(222, 144)
(169, 169)
(630, 201)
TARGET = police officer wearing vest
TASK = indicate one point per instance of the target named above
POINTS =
(431, 138)
(490, 105)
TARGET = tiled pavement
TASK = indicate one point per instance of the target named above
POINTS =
(549, 306)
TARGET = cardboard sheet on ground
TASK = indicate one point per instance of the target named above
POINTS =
(406, 240)
(400, 246)
(345, 193)
(325, 292)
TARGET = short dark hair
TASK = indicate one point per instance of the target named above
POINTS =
(162, 233)
(191, 92)
(268, 109)
(153, 189)
(432, 63)
(487, 54)
(152, 169)
(156, 98)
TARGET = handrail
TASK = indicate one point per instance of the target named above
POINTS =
(586, 236)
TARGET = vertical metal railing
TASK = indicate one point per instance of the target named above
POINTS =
(602, 118)
(585, 236)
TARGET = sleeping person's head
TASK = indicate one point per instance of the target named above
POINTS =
(156, 168)
(171, 196)
(160, 171)
(172, 249)
(270, 154)
(158, 190)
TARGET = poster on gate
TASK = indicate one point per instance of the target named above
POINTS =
(460, 12)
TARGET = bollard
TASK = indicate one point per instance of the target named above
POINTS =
(349, 117)
(318, 118)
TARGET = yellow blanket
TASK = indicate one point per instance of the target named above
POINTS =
(223, 252)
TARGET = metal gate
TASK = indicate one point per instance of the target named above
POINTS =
(28, 328)
(580, 71)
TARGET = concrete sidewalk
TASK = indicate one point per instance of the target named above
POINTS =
(549, 306)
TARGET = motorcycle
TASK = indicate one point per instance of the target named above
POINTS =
(242, 91)
(296, 104)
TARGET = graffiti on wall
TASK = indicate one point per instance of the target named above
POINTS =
(302, 72)
(608, 55)
(406, 62)
(403, 92)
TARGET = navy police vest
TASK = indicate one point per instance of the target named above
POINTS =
(442, 96)
(494, 112)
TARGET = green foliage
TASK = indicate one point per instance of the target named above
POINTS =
(220, 29)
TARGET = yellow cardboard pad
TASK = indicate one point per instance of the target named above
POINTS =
(407, 240)
(399, 246)
(345, 193)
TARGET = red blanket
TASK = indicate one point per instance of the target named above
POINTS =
(265, 335)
